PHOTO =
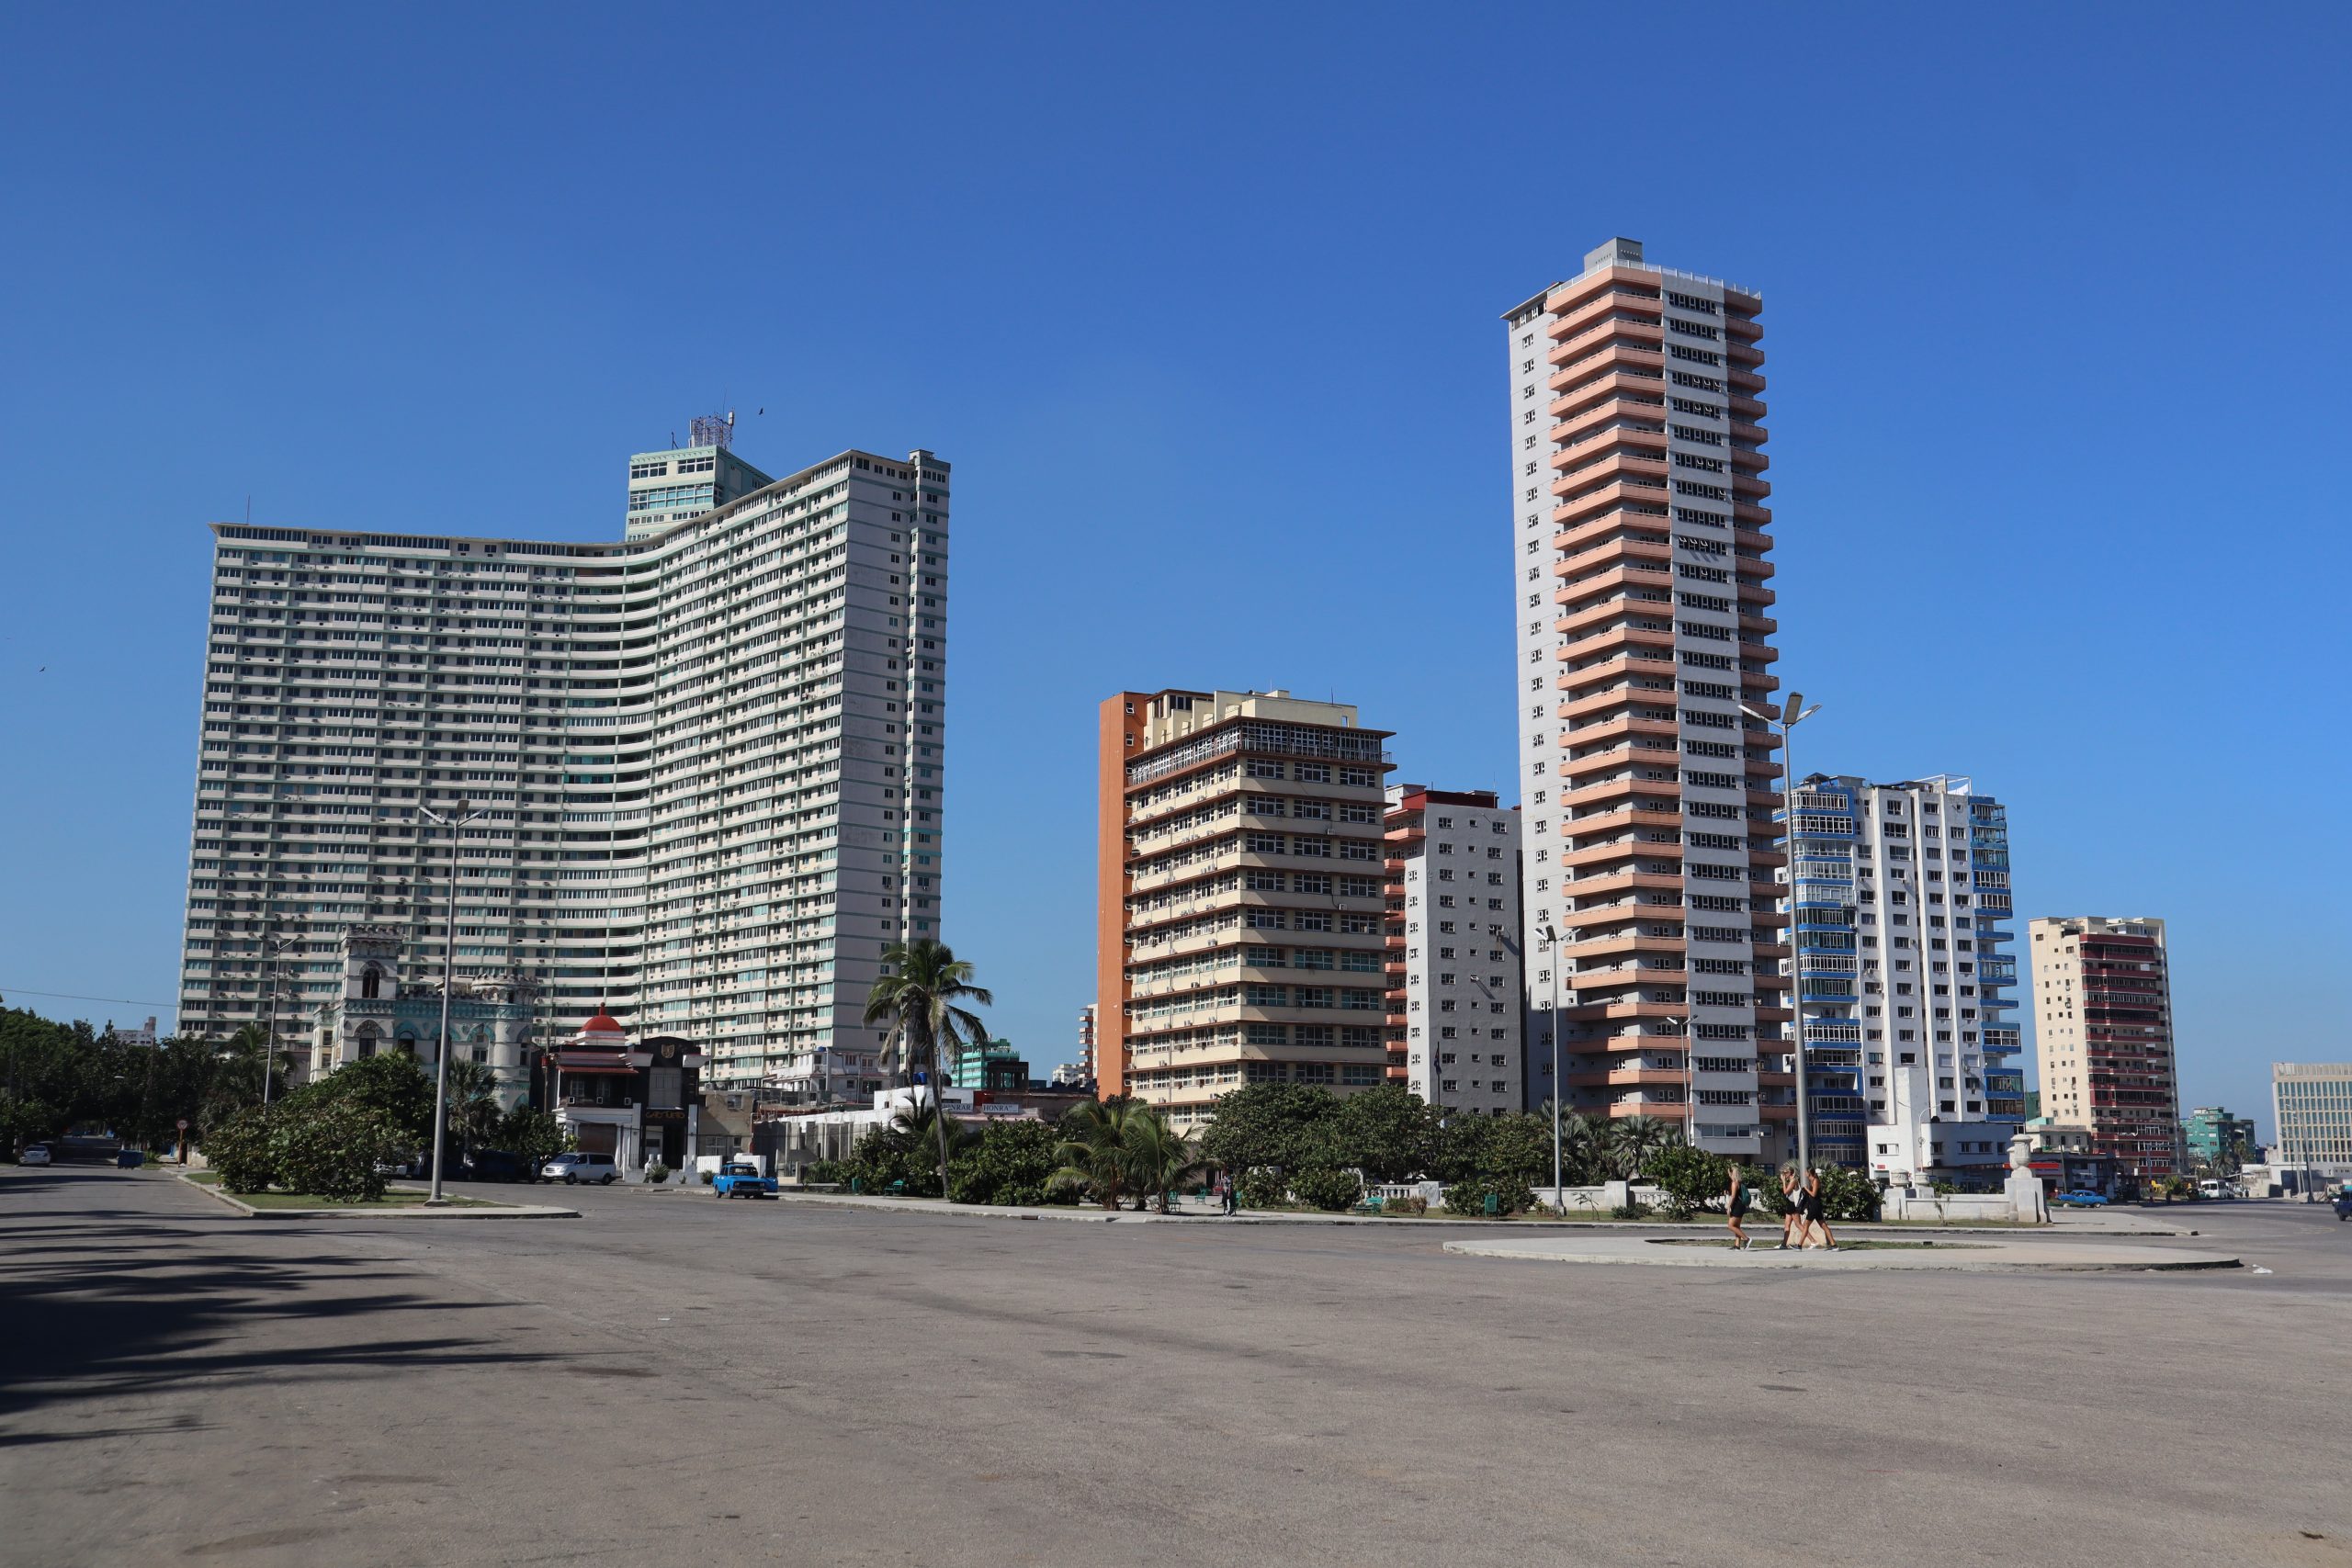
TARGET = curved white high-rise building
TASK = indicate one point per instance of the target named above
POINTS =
(710, 760)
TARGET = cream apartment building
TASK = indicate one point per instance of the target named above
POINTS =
(1241, 897)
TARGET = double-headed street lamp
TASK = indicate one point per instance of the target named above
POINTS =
(1792, 713)
(448, 985)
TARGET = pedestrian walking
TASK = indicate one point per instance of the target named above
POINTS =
(1736, 1208)
(1814, 1215)
(1227, 1194)
(1791, 1206)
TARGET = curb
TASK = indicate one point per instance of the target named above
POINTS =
(1516, 1226)
(501, 1211)
(2015, 1260)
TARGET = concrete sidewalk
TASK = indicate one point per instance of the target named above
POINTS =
(1979, 1255)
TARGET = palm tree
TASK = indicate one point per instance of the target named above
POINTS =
(1095, 1151)
(914, 1123)
(1159, 1157)
(1584, 1145)
(919, 996)
(473, 1102)
(1634, 1139)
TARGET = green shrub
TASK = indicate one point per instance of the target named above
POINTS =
(1263, 1187)
(832, 1172)
(1334, 1192)
(242, 1152)
(1848, 1195)
(657, 1173)
(1415, 1206)
(1008, 1162)
(1469, 1197)
(332, 1150)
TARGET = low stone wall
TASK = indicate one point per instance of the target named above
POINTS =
(1902, 1203)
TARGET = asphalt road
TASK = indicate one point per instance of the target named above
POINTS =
(671, 1380)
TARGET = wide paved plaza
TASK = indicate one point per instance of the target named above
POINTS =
(668, 1379)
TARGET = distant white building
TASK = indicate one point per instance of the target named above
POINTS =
(1454, 1027)
(126, 1036)
(2310, 1104)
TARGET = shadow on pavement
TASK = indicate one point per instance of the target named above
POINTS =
(90, 1309)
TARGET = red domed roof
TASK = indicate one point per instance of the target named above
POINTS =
(603, 1023)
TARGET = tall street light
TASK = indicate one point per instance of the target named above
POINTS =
(1792, 713)
(278, 947)
(1552, 943)
(448, 985)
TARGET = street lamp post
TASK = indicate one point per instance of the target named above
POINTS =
(448, 985)
(1792, 713)
(278, 947)
(1552, 943)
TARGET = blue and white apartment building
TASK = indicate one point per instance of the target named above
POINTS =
(1899, 898)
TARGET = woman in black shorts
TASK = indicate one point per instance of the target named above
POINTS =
(1811, 1208)
(1736, 1208)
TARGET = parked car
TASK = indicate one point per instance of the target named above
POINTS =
(2079, 1199)
(574, 1168)
(498, 1165)
(2344, 1205)
(742, 1178)
(414, 1167)
(36, 1154)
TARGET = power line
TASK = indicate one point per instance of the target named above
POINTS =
(70, 997)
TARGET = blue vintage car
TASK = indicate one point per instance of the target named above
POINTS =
(2079, 1199)
(742, 1178)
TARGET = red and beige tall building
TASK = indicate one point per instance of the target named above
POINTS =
(1639, 537)
(2102, 1027)
(1241, 897)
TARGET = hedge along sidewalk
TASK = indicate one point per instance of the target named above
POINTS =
(457, 1208)
(1393, 1222)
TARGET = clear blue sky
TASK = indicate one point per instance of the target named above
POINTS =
(1201, 301)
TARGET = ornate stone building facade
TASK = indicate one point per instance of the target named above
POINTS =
(381, 1009)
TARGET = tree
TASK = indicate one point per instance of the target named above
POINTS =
(1285, 1125)
(473, 1105)
(1092, 1151)
(921, 996)
(1159, 1157)
(915, 1124)
(1632, 1139)
(1388, 1132)
(331, 1149)
(390, 1082)
(534, 1135)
